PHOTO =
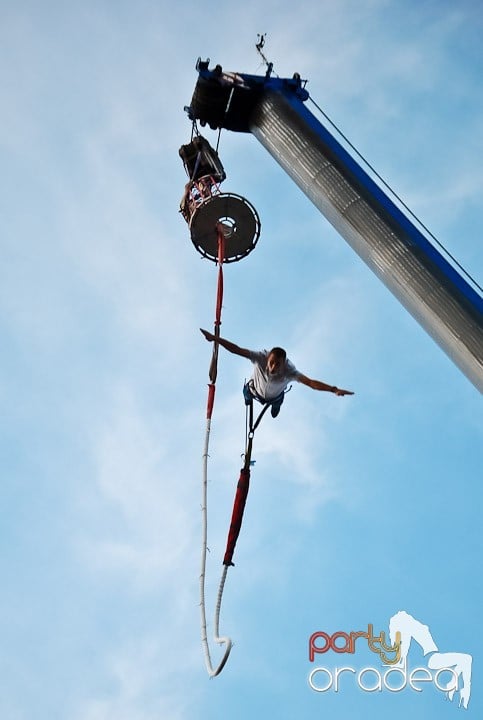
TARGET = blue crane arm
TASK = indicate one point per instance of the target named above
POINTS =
(446, 305)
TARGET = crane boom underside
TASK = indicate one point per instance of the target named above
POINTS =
(408, 269)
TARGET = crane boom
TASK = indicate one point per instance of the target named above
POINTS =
(423, 280)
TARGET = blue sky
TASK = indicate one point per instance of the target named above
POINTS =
(360, 506)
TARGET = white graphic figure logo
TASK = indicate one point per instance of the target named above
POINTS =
(459, 663)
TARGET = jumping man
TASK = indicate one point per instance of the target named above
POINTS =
(272, 372)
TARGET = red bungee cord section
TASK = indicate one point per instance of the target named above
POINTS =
(237, 515)
(241, 491)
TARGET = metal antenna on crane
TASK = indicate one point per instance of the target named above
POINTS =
(260, 44)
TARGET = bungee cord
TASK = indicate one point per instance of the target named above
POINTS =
(224, 227)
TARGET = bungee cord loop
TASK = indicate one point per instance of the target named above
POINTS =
(241, 490)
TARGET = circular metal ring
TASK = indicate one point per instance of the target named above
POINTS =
(237, 218)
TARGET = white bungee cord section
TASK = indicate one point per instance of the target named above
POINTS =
(221, 640)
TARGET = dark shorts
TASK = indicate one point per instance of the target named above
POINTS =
(249, 396)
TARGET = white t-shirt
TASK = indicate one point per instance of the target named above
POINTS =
(268, 386)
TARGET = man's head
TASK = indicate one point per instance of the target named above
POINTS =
(276, 360)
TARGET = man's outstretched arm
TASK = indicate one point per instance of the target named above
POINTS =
(319, 385)
(231, 347)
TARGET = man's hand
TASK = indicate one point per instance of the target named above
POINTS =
(227, 344)
(208, 336)
(340, 392)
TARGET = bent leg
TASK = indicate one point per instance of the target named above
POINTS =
(277, 404)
